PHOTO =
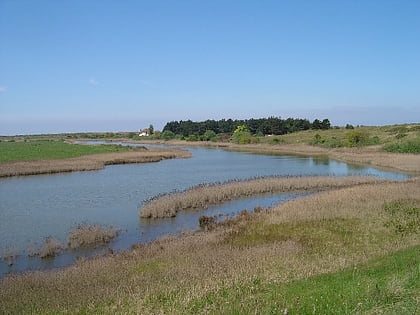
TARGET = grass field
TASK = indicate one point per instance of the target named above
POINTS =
(387, 137)
(40, 150)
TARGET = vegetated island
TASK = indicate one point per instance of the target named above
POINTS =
(349, 249)
(35, 157)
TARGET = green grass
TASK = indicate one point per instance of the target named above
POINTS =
(38, 150)
(398, 138)
(390, 284)
(312, 234)
(404, 146)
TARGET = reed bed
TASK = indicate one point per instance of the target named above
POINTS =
(233, 268)
(88, 162)
(201, 196)
(87, 235)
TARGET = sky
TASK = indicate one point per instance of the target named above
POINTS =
(109, 65)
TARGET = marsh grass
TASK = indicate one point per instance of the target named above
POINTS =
(404, 216)
(87, 235)
(326, 253)
(42, 150)
(9, 256)
(201, 196)
(88, 162)
(52, 247)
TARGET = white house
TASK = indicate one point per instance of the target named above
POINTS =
(144, 133)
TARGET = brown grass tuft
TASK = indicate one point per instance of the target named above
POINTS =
(52, 247)
(201, 196)
(88, 162)
(91, 236)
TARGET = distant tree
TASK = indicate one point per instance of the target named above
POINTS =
(325, 124)
(151, 129)
(209, 135)
(316, 124)
(348, 126)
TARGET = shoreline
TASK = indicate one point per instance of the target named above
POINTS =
(368, 156)
(315, 235)
(91, 162)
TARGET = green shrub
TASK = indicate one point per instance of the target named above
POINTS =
(317, 139)
(192, 138)
(407, 146)
(167, 135)
(356, 138)
(209, 135)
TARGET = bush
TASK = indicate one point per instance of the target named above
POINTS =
(407, 146)
(317, 139)
(192, 138)
(356, 138)
(209, 135)
(167, 135)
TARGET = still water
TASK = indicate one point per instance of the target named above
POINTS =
(34, 207)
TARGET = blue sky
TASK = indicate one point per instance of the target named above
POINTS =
(68, 66)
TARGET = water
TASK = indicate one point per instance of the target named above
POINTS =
(34, 207)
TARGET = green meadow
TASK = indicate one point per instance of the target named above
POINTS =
(43, 149)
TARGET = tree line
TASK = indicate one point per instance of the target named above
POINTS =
(260, 126)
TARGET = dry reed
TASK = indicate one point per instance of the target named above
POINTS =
(52, 247)
(201, 196)
(317, 234)
(90, 236)
(88, 162)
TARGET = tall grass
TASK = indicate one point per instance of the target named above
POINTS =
(336, 253)
(201, 196)
(87, 235)
(88, 162)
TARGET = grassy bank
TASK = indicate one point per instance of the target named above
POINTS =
(353, 249)
(202, 196)
(43, 150)
(48, 157)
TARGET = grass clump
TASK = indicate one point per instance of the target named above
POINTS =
(91, 236)
(52, 247)
(404, 216)
(207, 222)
